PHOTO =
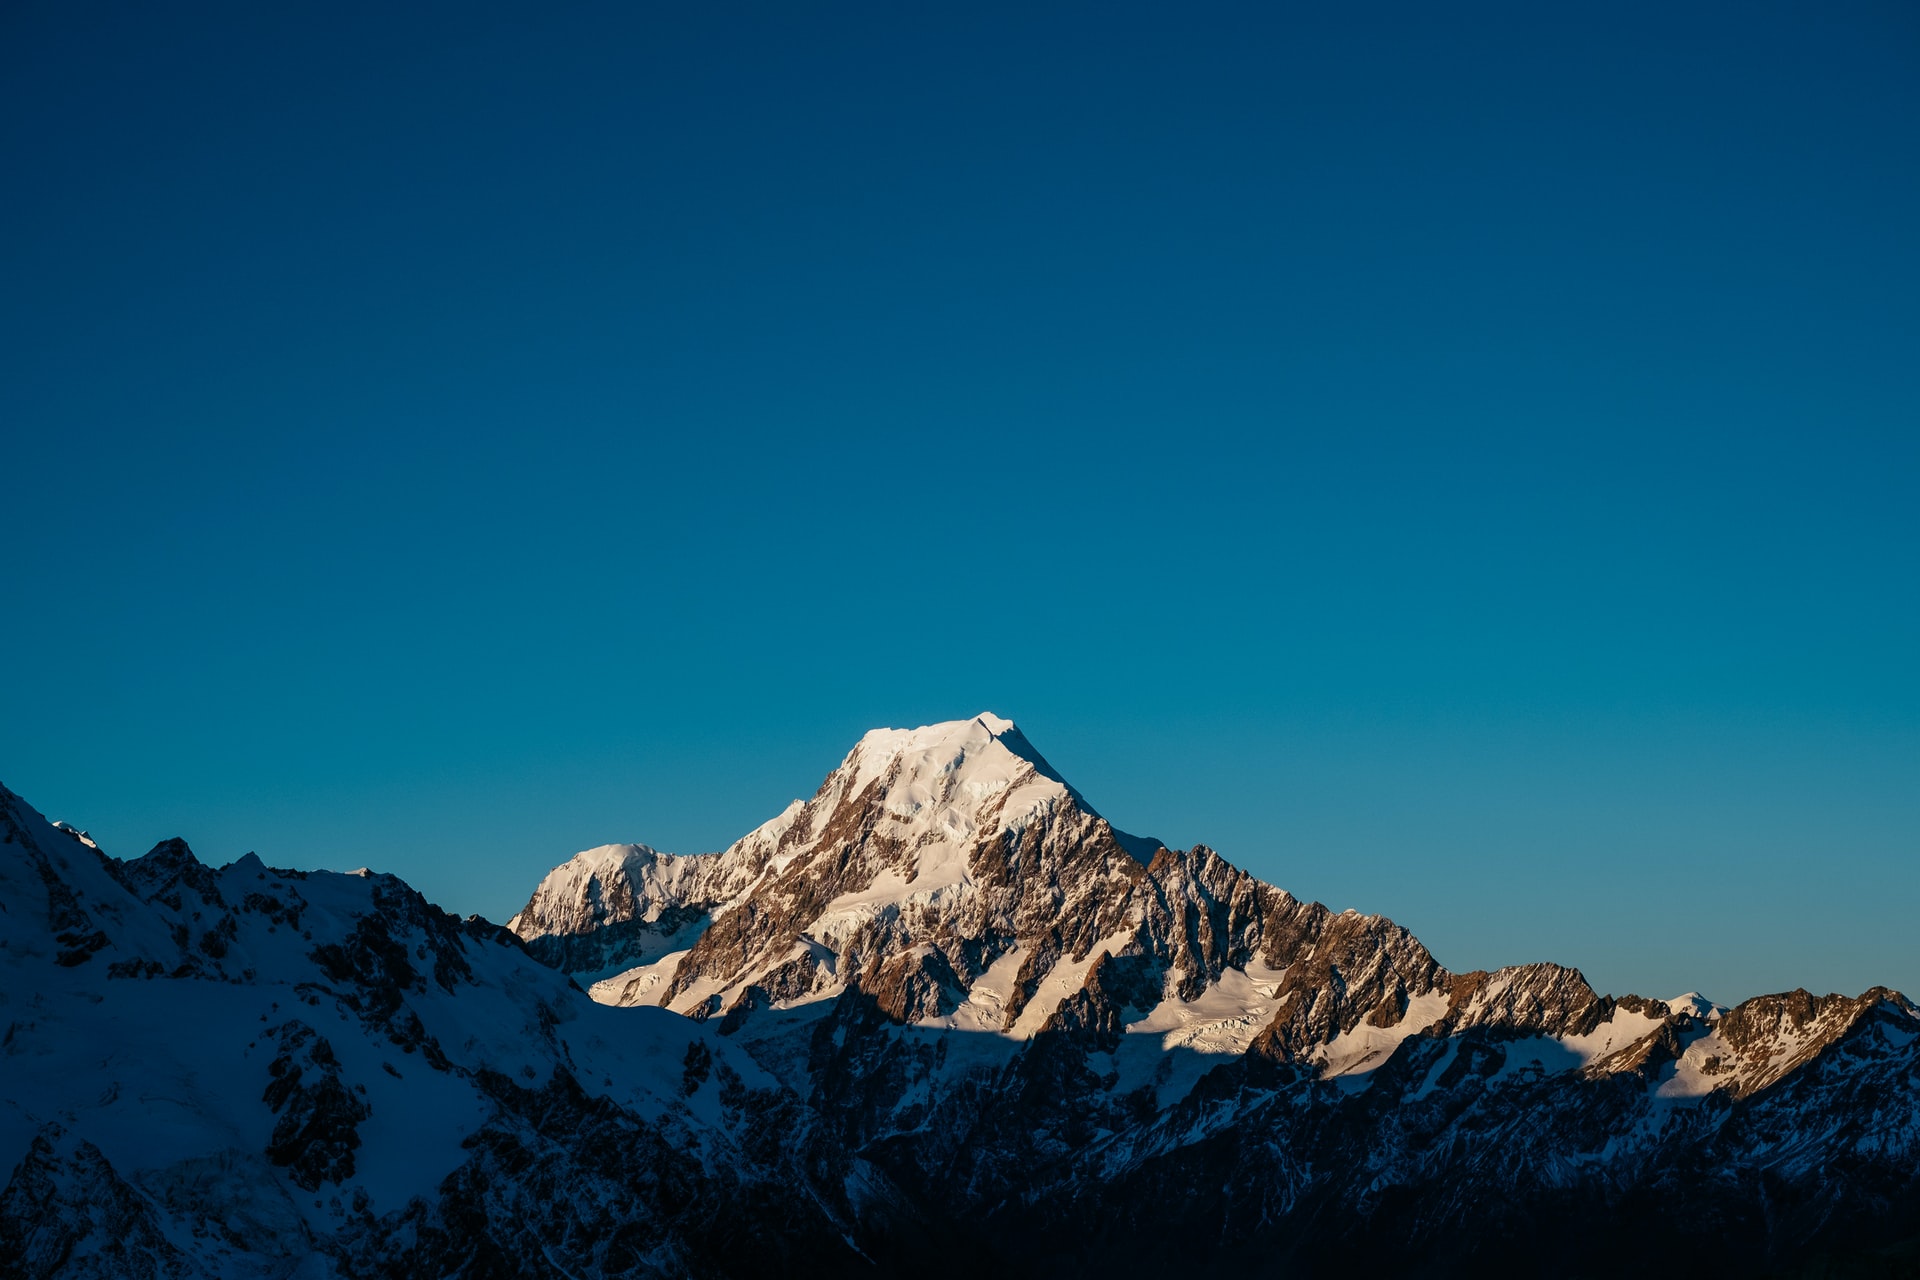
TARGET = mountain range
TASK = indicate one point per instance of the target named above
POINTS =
(941, 1018)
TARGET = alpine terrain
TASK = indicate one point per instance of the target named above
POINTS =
(939, 1019)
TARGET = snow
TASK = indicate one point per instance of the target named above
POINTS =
(948, 786)
(1618, 1033)
(576, 890)
(1778, 1054)
(167, 1076)
(1689, 1077)
(700, 991)
(76, 833)
(1361, 1050)
(111, 1065)
(1224, 1019)
(984, 1009)
(641, 984)
(1178, 1041)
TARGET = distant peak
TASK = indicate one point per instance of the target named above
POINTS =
(1692, 1002)
(172, 849)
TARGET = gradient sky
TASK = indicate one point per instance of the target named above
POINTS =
(1460, 462)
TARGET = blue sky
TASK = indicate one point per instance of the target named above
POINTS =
(1461, 464)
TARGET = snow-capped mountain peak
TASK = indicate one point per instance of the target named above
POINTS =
(961, 827)
(941, 787)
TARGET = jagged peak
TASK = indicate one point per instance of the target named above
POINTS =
(171, 851)
(170, 862)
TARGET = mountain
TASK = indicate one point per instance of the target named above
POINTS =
(941, 1019)
(1057, 1032)
(251, 1072)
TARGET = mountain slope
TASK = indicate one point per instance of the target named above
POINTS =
(258, 1072)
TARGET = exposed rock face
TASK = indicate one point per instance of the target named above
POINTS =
(319, 1115)
(66, 1212)
(916, 984)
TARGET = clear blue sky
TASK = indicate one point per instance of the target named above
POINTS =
(1459, 461)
